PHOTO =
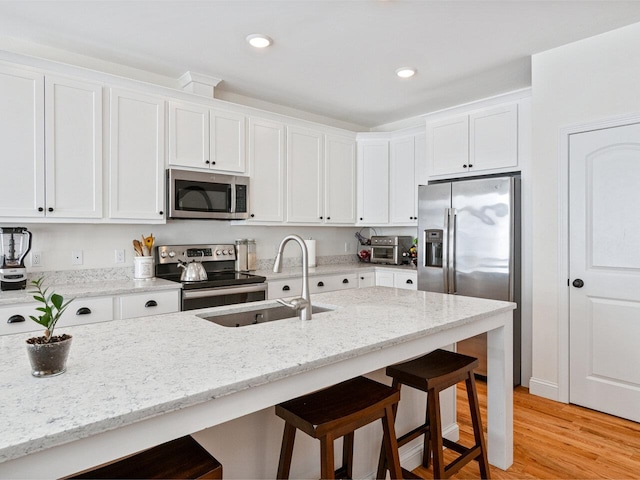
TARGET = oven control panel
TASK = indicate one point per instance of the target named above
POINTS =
(202, 253)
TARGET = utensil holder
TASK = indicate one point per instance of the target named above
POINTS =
(142, 267)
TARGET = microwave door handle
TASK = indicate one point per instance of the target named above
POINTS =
(232, 187)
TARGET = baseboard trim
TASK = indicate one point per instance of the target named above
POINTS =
(543, 388)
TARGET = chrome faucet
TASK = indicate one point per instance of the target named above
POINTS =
(300, 305)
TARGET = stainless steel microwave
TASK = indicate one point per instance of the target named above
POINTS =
(204, 195)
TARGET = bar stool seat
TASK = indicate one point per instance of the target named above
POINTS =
(433, 373)
(337, 412)
(183, 458)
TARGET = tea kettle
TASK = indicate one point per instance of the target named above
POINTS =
(192, 272)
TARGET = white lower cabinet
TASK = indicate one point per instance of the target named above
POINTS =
(291, 287)
(405, 280)
(15, 319)
(384, 278)
(367, 279)
(333, 282)
(148, 303)
(88, 310)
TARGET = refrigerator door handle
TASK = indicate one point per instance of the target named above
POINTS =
(445, 250)
(451, 267)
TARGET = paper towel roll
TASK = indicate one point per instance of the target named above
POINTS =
(311, 250)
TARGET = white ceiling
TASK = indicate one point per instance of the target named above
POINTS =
(335, 58)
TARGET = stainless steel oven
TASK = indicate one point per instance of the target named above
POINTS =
(223, 286)
(203, 195)
(390, 249)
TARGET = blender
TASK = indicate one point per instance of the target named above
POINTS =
(16, 243)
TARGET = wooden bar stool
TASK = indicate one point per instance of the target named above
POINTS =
(337, 412)
(433, 373)
(183, 458)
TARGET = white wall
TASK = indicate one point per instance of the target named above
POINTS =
(99, 242)
(575, 84)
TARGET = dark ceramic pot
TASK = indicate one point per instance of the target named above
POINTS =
(49, 359)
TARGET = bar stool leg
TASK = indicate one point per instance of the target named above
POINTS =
(435, 432)
(347, 454)
(476, 420)
(286, 452)
(327, 466)
(391, 443)
(426, 450)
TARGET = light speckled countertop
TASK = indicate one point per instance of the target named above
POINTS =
(91, 289)
(329, 269)
(119, 374)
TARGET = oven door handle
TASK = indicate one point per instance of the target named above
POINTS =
(216, 292)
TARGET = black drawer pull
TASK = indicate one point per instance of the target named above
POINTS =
(83, 311)
(15, 319)
(321, 284)
(410, 282)
(286, 288)
(151, 303)
(346, 280)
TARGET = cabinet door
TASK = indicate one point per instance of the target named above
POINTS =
(493, 141)
(448, 145)
(340, 180)
(366, 279)
(290, 287)
(73, 154)
(15, 319)
(304, 175)
(188, 135)
(227, 141)
(266, 161)
(88, 310)
(22, 140)
(402, 189)
(384, 279)
(373, 184)
(407, 281)
(137, 156)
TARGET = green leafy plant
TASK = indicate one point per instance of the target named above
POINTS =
(53, 308)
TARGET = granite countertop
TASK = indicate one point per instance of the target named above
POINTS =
(151, 366)
(91, 289)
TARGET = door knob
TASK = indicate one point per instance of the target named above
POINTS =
(578, 283)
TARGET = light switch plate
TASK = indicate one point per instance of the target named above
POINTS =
(76, 257)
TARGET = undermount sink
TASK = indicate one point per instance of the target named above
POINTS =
(259, 315)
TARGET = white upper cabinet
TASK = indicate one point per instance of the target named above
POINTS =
(482, 141)
(339, 180)
(402, 188)
(267, 164)
(136, 163)
(304, 175)
(201, 137)
(73, 148)
(373, 182)
(188, 135)
(22, 140)
(227, 141)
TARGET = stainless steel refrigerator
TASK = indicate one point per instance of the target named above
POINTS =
(469, 244)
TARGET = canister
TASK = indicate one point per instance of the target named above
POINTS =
(241, 255)
(251, 254)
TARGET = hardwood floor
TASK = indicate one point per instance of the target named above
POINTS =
(556, 441)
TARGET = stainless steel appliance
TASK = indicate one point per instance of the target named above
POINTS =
(203, 195)
(390, 249)
(245, 255)
(469, 244)
(223, 284)
(16, 243)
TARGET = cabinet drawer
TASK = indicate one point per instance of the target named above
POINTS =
(384, 279)
(333, 282)
(149, 303)
(291, 287)
(87, 310)
(408, 281)
(366, 279)
(19, 315)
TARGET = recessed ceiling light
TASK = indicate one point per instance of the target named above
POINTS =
(259, 41)
(406, 72)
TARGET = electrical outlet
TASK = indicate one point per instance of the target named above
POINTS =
(119, 256)
(76, 257)
(36, 259)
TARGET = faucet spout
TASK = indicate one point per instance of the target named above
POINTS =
(303, 305)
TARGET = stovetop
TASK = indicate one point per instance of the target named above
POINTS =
(218, 279)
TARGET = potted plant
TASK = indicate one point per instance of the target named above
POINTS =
(48, 353)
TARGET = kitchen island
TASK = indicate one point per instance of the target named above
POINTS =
(136, 383)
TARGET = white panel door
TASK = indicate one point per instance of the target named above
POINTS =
(266, 161)
(402, 189)
(493, 138)
(304, 175)
(340, 180)
(22, 140)
(605, 270)
(227, 141)
(373, 183)
(188, 135)
(137, 156)
(448, 145)
(73, 155)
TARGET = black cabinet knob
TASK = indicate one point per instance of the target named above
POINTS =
(578, 283)
(50, 209)
(286, 288)
(161, 212)
(470, 165)
(83, 311)
(346, 280)
(213, 163)
(207, 162)
(40, 209)
(464, 166)
(409, 281)
(328, 218)
(151, 303)
(15, 319)
(320, 218)
(321, 284)
(361, 218)
(252, 215)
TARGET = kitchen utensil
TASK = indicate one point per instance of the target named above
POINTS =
(137, 247)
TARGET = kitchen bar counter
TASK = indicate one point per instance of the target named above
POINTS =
(141, 382)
